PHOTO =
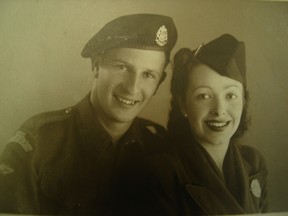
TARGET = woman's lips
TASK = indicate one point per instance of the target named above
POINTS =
(217, 125)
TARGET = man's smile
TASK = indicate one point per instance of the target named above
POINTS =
(126, 101)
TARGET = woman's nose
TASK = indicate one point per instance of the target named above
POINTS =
(219, 107)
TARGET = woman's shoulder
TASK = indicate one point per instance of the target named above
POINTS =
(252, 156)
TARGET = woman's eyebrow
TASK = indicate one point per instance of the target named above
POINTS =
(201, 87)
(232, 86)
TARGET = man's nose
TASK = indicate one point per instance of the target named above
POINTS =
(132, 84)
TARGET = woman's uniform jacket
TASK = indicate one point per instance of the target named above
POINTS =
(64, 162)
(241, 189)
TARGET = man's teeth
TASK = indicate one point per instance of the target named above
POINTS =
(217, 124)
(128, 102)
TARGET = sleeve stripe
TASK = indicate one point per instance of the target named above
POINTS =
(20, 138)
(5, 170)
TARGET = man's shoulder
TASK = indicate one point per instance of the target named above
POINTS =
(41, 126)
(32, 132)
(45, 118)
(152, 128)
(153, 136)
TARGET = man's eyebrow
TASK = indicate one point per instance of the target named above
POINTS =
(153, 71)
(117, 60)
(130, 65)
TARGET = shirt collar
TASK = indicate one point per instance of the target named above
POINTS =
(94, 136)
(92, 130)
(133, 135)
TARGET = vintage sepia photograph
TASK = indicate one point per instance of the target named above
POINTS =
(124, 107)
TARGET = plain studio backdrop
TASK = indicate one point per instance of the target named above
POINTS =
(41, 68)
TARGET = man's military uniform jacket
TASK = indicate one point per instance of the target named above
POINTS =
(241, 189)
(64, 162)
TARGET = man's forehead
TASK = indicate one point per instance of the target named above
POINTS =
(130, 52)
(149, 59)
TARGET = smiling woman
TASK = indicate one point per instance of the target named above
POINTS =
(213, 103)
(209, 111)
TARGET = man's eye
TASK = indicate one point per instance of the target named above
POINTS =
(148, 75)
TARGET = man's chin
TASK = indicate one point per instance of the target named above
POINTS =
(124, 119)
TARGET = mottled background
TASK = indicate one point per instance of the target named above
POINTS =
(41, 68)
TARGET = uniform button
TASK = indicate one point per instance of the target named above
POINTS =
(68, 110)
(130, 142)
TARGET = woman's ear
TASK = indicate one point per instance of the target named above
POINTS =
(182, 107)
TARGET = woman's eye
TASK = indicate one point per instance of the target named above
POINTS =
(122, 67)
(203, 96)
(231, 96)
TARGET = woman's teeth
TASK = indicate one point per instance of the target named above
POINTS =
(217, 124)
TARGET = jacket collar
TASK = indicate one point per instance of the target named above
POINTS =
(135, 132)
(93, 133)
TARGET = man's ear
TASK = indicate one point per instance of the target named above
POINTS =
(163, 76)
(96, 70)
(95, 67)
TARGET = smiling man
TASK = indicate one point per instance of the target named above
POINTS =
(125, 80)
(96, 158)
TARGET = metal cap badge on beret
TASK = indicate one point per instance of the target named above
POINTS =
(142, 31)
(225, 55)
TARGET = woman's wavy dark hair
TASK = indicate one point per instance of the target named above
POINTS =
(178, 126)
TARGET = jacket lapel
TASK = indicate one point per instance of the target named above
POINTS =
(211, 202)
(204, 185)
(237, 193)
(236, 171)
(243, 178)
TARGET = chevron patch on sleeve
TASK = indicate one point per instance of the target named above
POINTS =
(5, 169)
(20, 138)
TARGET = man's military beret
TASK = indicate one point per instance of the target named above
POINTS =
(142, 31)
(225, 55)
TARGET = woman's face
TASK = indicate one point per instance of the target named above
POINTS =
(214, 105)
